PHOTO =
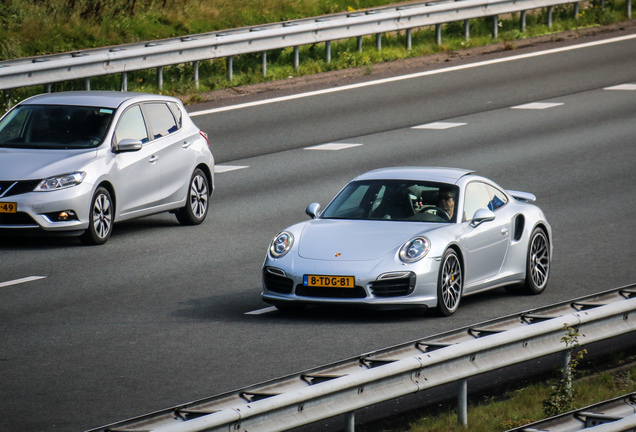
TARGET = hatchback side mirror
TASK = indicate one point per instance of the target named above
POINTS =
(312, 210)
(482, 215)
(128, 145)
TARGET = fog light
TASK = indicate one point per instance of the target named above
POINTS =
(62, 216)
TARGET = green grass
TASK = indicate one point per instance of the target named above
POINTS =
(71, 25)
(521, 405)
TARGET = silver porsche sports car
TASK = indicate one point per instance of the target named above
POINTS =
(77, 162)
(410, 237)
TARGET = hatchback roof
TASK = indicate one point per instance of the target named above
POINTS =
(439, 174)
(106, 99)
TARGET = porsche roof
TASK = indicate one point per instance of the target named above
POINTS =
(437, 174)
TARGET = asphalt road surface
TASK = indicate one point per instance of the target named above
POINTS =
(164, 314)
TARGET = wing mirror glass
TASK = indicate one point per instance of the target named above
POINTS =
(312, 210)
(482, 215)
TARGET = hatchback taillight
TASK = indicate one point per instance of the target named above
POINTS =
(204, 135)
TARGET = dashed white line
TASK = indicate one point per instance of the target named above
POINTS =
(332, 146)
(622, 87)
(21, 281)
(227, 168)
(262, 311)
(538, 105)
(439, 125)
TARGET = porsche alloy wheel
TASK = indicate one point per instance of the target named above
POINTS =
(450, 284)
(100, 224)
(538, 263)
(196, 207)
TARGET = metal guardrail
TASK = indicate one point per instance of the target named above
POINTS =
(194, 48)
(614, 415)
(343, 387)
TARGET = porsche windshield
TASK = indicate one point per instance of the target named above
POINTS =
(54, 126)
(397, 200)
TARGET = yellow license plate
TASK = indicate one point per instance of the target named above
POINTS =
(8, 207)
(329, 281)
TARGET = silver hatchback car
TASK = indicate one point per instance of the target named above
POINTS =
(76, 162)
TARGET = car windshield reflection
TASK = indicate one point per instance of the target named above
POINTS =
(55, 127)
(395, 200)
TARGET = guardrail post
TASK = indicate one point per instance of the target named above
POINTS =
(87, 83)
(409, 39)
(160, 77)
(466, 30)
(350, 421)
(378, 41)
(495, 26)
(296, 58)
(195, 66)
(549, 16)
(359, 43)
(328, 51)
(576, 11)
(462, 402)
(48, 88)
(230, 67)
(7, 99)
(438, 34)
(629, 9)
(124, 81)
(264, 62)
(522, 23)
(566, 357)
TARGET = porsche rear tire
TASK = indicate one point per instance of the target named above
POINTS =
(537, 263)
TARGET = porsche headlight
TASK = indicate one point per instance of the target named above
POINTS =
(60, 182)
(281, 244)
(415, 249)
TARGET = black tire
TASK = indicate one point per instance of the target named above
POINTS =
(100, 218)
(196, 208)
(450, 284)
(537, 263)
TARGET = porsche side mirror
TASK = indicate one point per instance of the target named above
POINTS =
(312, 210)
(482, 215)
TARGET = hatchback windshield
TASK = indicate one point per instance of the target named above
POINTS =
(54, 126)
(401, 200)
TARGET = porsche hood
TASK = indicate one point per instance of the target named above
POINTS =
(347, 240)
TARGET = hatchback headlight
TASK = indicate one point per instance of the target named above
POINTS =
(61, 182)
(281, 244)
(415, 249)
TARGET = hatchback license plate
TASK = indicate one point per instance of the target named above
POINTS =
(8, 207)
(329, 281)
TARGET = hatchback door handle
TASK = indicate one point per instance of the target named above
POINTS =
(186, 144)
(153, 159)
(504, 230)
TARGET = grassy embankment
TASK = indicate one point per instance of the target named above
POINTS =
(523, 404)
(29, 28)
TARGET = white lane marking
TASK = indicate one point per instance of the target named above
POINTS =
(439, 125)
(415, 75)
(19, 281)
(622, 87)
(262, 311)
(537, 105)
(332, 146)
(226, 168)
